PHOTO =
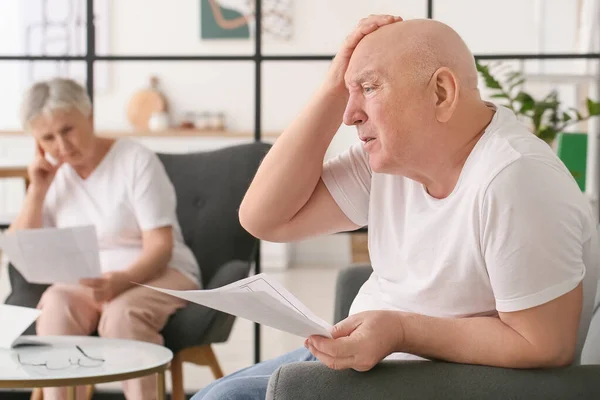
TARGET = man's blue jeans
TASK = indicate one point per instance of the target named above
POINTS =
(250, 383)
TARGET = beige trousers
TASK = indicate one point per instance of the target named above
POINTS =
(139, 314)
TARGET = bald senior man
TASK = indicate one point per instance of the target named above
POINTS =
(478, 235)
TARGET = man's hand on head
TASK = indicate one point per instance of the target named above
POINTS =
(360, 341)
(365, 26)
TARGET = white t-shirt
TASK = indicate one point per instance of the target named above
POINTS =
(129, 192)
(513, 234)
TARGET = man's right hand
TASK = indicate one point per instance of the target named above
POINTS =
(342, 59)
(41, 172)
(287, 200)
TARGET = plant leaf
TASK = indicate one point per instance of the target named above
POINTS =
(554, 116)
(566, 117)
(593, 107)
(499, 96)
(539, 110)
(547, 133)
(527, 102)
(490, 81)
(479, 66)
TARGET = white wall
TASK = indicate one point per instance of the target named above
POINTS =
(172, 27)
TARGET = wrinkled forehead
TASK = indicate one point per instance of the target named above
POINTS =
(367, 62)
(392, 64)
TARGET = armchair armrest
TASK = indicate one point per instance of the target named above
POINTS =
(230, 272)
(349, 281)
(428, 380)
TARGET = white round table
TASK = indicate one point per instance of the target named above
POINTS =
(81, 360)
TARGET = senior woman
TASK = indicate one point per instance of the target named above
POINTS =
(122, 189)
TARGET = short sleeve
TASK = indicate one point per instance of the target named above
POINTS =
(348, 179)
(154, 201)
(49, 207)
(48, 220)
(535, 221)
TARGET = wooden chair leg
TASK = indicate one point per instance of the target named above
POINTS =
(177, 391)
(213, 363)
(199, 355)
(89, 392)
(37, 394)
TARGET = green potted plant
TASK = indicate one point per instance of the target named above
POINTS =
(546, 117)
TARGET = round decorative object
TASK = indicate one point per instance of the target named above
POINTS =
(144, 103)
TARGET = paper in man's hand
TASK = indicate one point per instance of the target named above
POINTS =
(259, 299)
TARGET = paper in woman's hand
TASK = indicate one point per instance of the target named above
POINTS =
(54, 255)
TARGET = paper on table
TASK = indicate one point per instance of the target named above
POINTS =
(14, 320)
(259, 299)
(52, 255)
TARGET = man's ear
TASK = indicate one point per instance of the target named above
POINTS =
(445, 86)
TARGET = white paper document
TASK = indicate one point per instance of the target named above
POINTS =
(259, 299)
(14, 320)
(53, 255)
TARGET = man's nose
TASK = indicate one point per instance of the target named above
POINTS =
(354, 113)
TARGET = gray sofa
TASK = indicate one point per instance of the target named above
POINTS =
(435, 380)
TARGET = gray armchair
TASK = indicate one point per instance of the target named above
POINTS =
(209, 188)
(435, 380)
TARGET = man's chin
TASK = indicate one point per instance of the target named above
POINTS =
(377, 165)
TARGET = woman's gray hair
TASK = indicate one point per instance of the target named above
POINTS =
(45, 98)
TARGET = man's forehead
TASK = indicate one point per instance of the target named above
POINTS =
(367, 62)
(362, 74)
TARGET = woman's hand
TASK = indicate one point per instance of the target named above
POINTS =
(41, 172)
(109, 286)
